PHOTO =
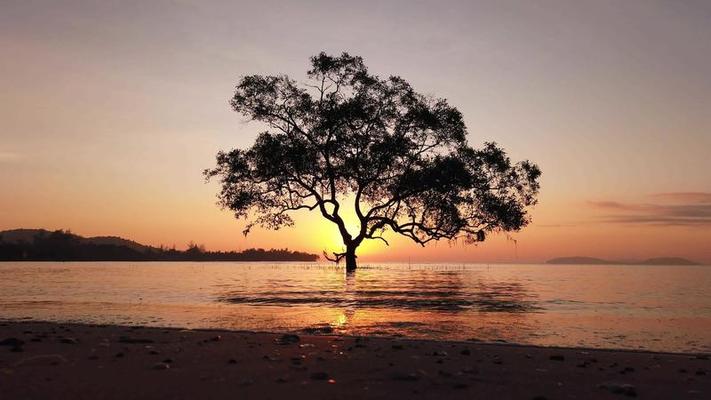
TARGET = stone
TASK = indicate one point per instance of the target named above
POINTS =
(619, 388)
(45, 359)
(288, 339)
(161, 366)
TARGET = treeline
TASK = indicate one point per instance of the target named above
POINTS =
(65, 246)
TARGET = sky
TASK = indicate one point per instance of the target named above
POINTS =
(110, 111)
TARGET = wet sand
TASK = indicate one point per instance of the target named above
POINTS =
(72, 361)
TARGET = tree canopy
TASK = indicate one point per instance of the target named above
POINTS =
(402, 157)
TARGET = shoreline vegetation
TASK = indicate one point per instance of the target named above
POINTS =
(65, 360)
(60, 245)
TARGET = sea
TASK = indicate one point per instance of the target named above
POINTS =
(654, 308)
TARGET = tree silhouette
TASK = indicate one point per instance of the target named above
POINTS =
(401, 157)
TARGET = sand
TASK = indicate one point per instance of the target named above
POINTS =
(71, 361)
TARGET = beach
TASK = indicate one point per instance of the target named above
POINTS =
(40, 360)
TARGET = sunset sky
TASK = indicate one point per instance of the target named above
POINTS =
(111, 110)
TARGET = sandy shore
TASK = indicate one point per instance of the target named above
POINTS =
(70, 361)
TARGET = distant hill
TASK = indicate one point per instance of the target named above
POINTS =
(28, 235)
(117, 241)
(21, 235)
(599, 261)
(44, 245)
(668, 261)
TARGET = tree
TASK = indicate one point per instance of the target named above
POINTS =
(401, 157)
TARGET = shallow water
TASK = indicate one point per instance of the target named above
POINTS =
(663, 308)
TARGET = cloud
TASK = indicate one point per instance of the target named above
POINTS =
(555, 225)
(691, 197)
(7, 157)
(671, 209)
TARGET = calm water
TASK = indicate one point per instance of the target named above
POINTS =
(645, 307)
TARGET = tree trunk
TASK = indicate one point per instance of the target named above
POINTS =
(350, 259)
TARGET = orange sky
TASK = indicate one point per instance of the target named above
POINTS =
(109, 113)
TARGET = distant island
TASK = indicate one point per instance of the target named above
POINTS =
(598, 261)
(60, 245)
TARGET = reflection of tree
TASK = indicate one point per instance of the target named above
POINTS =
(420, 302)
(425, 290)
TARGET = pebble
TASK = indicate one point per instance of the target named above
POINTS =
(319, 330)
(68, 340)
(619, 388)
(47, 359)
(160, 366)
(288, 339)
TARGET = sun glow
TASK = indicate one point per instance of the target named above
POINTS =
(327, 237)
